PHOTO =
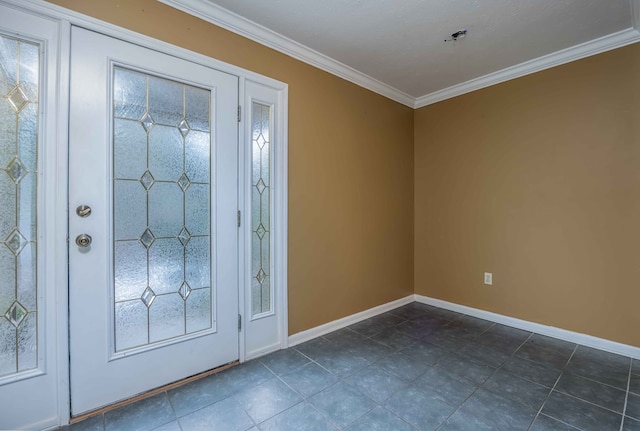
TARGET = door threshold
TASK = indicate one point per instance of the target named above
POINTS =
(108, 408)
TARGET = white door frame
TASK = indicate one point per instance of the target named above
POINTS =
(57, 181)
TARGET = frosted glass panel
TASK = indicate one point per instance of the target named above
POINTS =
(162, 200)
(260, 208)
(19, 87)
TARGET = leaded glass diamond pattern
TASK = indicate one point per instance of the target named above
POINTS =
(184, 182)
(148, 296)
(162, 272)
(261, 231)
(147, 180)
(260, 208)
(184, 236)
(184, 128)
(16, 170)
(147, 122)
(16, 242)
(19, 197)
(17, 99)
(261, 276)
(184, 291)
(261, 186)
(147, 238)
(16, 314)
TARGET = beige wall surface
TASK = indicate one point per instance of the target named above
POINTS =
(538, 181)
(350, 168)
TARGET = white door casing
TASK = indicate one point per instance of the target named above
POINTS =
(101, 373)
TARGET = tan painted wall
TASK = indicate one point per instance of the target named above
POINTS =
(350, 169)
(538, 181)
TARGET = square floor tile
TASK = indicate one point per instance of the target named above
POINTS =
(580, 414)
(142, 415)
(532, 371)
(225, 415)
(429, 353)
(266, 400)
(95, 423)
(317, 347)
(421, 408)
(171, 426)
(394, 339)
(516, 389)
(589, 354)
(465, 367)
(198, 394)
(245, 375)
(633, 406)
(400, 365)
(634, 383)
(368, 349)
(301, 417)
(342, 404)
(342, 364)
(550, 357)
(376, 383)
(485, 354)
(450, 389)
(284, 361)
(549, 343)
(380, 419)
(310, 379)
(617, 376)
(460, 421)
(498, 412)
(593, 392)
(631, 424)
(546, 423)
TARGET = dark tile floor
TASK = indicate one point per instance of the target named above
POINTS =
(414, 368)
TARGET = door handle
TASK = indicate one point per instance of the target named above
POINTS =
(83, 240)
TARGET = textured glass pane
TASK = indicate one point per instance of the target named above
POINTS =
(198, 156)
(27, 342)
(130, 269)
(131, 324)
(198, 108)
(166, 101)
(166, 317)
(26, 271)
(26, 207)
(130, 209)
(19, 78)
(260, 208)
(130, 94)
(9, 62)
(166, 153)
(28, 136)
(7, 205)
(164, 205)
(198, 262)
(8, 348)
(7, 280)
(8, 132)
(199, 310)
(166, 209)
(166, 265)
(197, 209)
(29, 69)
(130, 150)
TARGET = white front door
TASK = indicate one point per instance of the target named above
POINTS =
(153, 249)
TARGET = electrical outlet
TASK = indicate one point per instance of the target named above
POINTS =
(488, 278)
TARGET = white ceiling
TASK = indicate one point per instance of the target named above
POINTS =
(400, 43)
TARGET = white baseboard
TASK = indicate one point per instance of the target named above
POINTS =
(563, 334)
(262, 351)
(318, 331)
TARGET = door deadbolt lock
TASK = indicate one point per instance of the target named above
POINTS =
(83, 211)
(83, 240)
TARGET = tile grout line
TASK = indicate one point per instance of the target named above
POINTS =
(553, 388)
(626, 398)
